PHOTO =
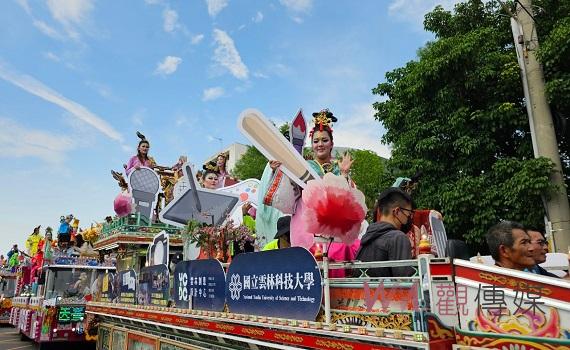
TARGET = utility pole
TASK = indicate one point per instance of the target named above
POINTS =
(541, 124)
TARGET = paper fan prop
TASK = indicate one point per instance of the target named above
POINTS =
(332, 208)
(123, 204)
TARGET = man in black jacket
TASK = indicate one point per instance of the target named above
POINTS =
(385, 239)
(540, 249)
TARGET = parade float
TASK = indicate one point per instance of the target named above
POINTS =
(55, 281)
(289, 299)
(51, 308)
(7, 292)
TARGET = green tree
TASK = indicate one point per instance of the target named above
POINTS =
(250, 165)
(457, 114)
(368, 172)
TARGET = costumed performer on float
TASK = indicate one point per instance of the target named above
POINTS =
(221, 161)
(209, 177)
(141, 158)
(123, 202)
(219, 166)
(33, 240)
(321, 137)
(64, 231)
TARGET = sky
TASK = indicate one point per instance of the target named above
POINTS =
(78, 78)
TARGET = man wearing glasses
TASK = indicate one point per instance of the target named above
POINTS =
(385, 239)
(540, 248)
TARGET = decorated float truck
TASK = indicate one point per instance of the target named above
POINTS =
(52, 308)
(7, 291)
(285, 299)
(281, 300)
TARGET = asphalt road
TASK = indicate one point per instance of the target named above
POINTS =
(10, 340)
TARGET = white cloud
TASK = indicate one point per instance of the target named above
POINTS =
(102, 89)
(212, 93)
(216, 6)
(413, 11)
(24, 4)
(19, 141)
(196, 39)
(70, 13)
(153, 2)
(35, 87)
(260, 75)
(138, 117)
(227, 56)
(359, 129)
(300, 6)
(52, 56)
(168, 66)
(127, 149)
(258, 17)
(181, 120)
(170, 20)
(47, 30)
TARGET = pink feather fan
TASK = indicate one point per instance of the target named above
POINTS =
(123, 204)
(332, 208)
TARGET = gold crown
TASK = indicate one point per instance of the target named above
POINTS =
(323, 118)
(210, 166)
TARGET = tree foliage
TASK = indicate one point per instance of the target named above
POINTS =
(250, 165)
(457, 113)
(367, 172)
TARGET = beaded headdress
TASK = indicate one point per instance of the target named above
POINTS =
(323, 120)
(211, 166)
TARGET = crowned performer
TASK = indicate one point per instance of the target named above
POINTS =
(321, 136)
(322, 144)
(209, 177)
(220, 168)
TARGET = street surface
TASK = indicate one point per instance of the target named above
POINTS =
(10, 340)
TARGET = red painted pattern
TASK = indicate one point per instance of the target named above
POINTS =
(514, 283)
(441, 269)
(263, 334)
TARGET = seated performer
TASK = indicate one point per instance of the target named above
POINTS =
(510, 246)
(221, 161)
(385, 239)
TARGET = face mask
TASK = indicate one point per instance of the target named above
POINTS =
(407, 226)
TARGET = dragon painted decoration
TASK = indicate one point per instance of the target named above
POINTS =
(532, 323)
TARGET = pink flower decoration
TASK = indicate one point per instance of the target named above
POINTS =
(123, 204)
(332, 208)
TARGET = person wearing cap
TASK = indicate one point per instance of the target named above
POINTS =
(385, 239)
(282, 237)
